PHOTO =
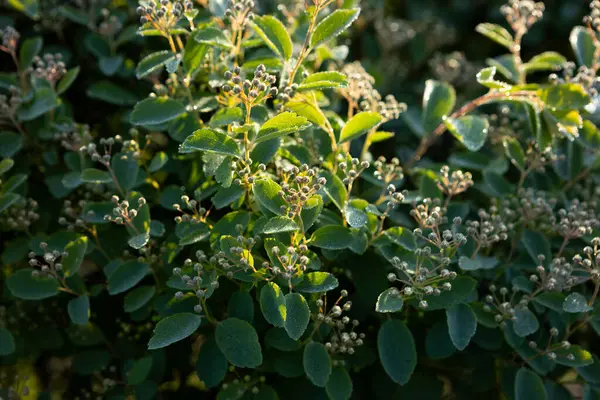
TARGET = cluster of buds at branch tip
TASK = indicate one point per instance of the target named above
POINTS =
(240, 12)
(164, 14)
(522, 14)
(259, 88)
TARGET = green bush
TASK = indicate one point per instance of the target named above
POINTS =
(211, 199)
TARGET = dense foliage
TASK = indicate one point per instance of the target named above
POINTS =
(214, 199)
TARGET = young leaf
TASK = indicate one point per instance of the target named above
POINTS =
(29, 49)
(272, 304)
(529, 386)
(470, 130)
(274, 34)
(212, 37)
(7, 342)
(360, 124)
(238, 342)
(583, 45)
(389, 301)
(27, 287)
(565, 97)
(153, 62)
(211, 365)
(496, 33)
(317, 363)
(332, 25)
(486, 78)
(156, 110)
(138, 297)
(462, 325)
(173, 329)
(397, 350)
(438, 102)
(576, 303)
(332, 237)
(79, 310)
(210, 141)
(266, 192)
(548, 60)
(339, 385)
(280, 225)
(323, 80)
(317, 282)
(297, 315)
(126, 276)
(282, 124)
(67, 80)
(75, 253)
(514, 152)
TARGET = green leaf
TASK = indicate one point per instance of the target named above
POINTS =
(589, 372)
(470, 130)
(480, 262)
(79, 310)
(25, 286)
(111, 93)
(228, 195)
(75, 253)
(496, 33)
(529, 386)
(139, 370)
(576, 303)
(7, 200)
(280, 225)
(272, 304)
(323, 80)
(389, 301)
(211, 365)
(397, 351)
(213, 37)
(317, 363)
(158, 161)
(282, 124)
(94, 175)
(438, 344)
(210, 141)
(317, 282)
(6, 165)
(583, 45)
(241, 305)
(156, 110)
(566, 96)
(226, 116)
(109, 65)
(339, 385)
(438, 102)
(514, 152)
(525, 323)
(335, 190)
(536, 244)
(309, 110)
(462, 325)
(332, 25)
(67, 80)
(10, 144)
(193, 56)
(551, 300)
(7, 342)
(548, 60)
(138, 297)
(152, 62)
(297, 315)
(173, 329)
(266, 192)
(311, 211)
(463, 288)
(332, 237)
(125, 168)
(573, 356)
(126, 276)
(274, 34)
(44, 101)
(486, 78)
(359, 125)
(29, 49)
(238, 342)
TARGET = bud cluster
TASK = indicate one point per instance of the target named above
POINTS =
(590, 261)
(352, 169)
(165, 15)
(554, 351)
(488, 230)
(191, 211)
(360, 83)
(343, 338)
(240, 12)
(254, 91)
(20, 216)
(501, 302)
(453, 68)
(455, 183)
(429, 214)
(110, 25)
(299, 184)
(49, 67)
(579, 219)
(448, 241)
(10, 105)
(49, 266)
(530, 207)
(389, 108)
(72, 218)
(72, 136)
(10, 40)
(559, 277)
(424, 279)
(123, 214)
(204, 279)
(387, 172)
(522, 14)
(289, 262)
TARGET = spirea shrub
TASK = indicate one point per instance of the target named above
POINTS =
(243, 219)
